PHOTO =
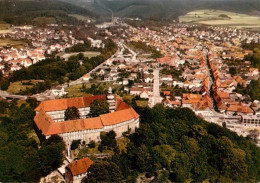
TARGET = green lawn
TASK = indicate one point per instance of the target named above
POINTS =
(17, 86)
(142, 103)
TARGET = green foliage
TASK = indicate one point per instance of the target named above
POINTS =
(253, 89)
(21, 160)
(255, 57)
(39, 12)
(108, 141)
(75, 144)
(98, 107)
(32, 102)
(140, 46)
(92, 144)
(71, 113)
(103, 171)
(183, 147)
(53, 71)
(51, 154)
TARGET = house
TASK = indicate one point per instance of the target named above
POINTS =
(166, 78)
(148, 78)
(77, 170)
(86, 77)
(58, 91)
(239, 109)
(144, 94)
(172, 104)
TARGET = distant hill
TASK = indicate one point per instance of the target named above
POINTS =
(31, 11)
(164, 9)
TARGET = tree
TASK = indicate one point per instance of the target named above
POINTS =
(98, 107)
(32, 102)
(75, 144)
(71, 113)
(51, 154)
(108, 141)
(103, 171)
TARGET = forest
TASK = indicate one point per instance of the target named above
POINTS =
(22, 159)
(176, 145)
(25, 12)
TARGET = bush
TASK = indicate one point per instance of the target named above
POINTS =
(92, 144)
(75, 144)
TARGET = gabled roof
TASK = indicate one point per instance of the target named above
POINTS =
(79, 166)
(48, 127)
(63, 104)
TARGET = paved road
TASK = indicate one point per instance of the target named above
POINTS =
(155, 98)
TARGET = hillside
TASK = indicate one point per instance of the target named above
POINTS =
(32, 11)
(175, 145)
(164, 9)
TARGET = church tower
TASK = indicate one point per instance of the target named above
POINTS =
(111, 100)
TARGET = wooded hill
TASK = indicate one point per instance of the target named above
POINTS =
(30, 11)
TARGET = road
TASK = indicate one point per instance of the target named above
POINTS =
(155, 98)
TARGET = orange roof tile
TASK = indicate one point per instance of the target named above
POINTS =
(79, 166)
(118, 117)
(63, 104)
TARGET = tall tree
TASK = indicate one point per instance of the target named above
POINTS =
(71, 113)
(98, 107)
(103, 171)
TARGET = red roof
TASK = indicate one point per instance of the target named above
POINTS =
(63, 104)
(48, 127)
(79, 166)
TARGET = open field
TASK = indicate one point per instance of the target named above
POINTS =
(4, 28)
(218, 17)
(9, 42)
(81, 17)
(141, 103)
(74, 91)
(18, 86)
(88, 54)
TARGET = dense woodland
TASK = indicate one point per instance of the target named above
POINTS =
(175, 145)
(40, 12)
(22, 159)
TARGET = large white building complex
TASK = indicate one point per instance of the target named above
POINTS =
(49, 119)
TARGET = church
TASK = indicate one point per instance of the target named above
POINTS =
(50, 119)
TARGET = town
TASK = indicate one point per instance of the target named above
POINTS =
(179, 65)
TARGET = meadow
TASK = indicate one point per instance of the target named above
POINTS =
(88, 54)
(13, 43)
(225, 18)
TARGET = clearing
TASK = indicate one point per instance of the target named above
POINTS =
(81, 17)
(13, 43)
(219, 17)
(19, 86)
(88, 54)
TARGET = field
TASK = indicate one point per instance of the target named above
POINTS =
(88, 54)
(18, 86)
(9, 42)
(218, 17)
(81, 17)
(4, 28)
(74, 91)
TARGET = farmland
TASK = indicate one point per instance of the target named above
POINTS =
(4, 28)
(8, 42)
(225, 18)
